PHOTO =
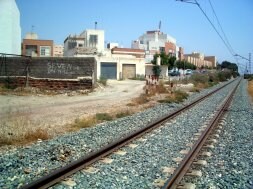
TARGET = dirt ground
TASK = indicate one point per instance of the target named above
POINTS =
(53, 111)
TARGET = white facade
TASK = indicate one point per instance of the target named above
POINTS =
(10, 30)
(88, 42)
(152, 42)
(119, 59)
(94, 38)
(58, 51)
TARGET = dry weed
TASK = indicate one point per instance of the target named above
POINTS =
(123, 114)
(86, 122)
(176, 97)
(142, 99)
(250, 88)
(17, 128)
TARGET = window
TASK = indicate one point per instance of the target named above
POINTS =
(31, 50)
(72, 44)
(162, 49)
(93, 40)
(45, 51)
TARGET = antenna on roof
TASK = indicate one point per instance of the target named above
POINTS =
(32, 29)
(96, 25)
(160, 25)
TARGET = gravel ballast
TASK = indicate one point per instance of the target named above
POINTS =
(26, 164)
(143, 166)
(231, 165)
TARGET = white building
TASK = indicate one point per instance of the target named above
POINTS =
(58, 50)
(10, 30)
(155, 42)
(112, 62)
(88, 42)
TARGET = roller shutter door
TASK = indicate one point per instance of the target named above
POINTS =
(109, 70)
(128, 71)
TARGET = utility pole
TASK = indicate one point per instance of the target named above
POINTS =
(249, 69)
(249, 63)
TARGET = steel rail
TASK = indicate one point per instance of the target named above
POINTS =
(174, 180)
(63, 172)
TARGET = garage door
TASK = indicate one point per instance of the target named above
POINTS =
(109, 70)
(128, 71)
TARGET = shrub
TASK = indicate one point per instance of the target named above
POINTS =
(177, 97)
(87, 122)
(142, 99)
(160, 88)
(139, 77)
(103, 81)
(180, 96)
(221, 77)
(199, 78)
(123, 114)
(194, 90)
(103, 117)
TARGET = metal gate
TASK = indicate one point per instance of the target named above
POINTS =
(109, 70)
(128, 71)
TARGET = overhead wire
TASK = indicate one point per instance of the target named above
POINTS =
(213, 27)
(226, 39)
(226, 43)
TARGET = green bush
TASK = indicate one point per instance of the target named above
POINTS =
(104, 117)
(103, 81)
(123, 114)
(199, 78)
(156, 70)
(177, 97)
(139, 77)
(180, 96)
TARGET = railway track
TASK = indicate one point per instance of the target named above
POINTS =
(183, 168)
(64, 172)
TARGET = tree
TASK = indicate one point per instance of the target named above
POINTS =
(231, 66)
(156, 70)
(166, 59)
(183, 64)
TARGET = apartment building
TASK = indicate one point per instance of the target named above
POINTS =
(32, 46)
(199, 60)
(155, 42)
(87, 43)
(10, 30)
(58, 50)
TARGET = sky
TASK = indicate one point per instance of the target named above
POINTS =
(125, 21)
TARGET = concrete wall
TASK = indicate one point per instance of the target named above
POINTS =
(51, 68)
(60, 68)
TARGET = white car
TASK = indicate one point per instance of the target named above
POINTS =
(188, 72)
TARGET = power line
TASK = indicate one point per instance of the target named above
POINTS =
(221, 28)
(226, 43)
(214, 27)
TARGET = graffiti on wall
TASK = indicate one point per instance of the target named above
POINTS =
(62, 68)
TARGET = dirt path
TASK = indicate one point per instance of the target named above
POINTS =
(62, 109)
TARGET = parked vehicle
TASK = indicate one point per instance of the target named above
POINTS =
(188, 72)
(174, 73)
